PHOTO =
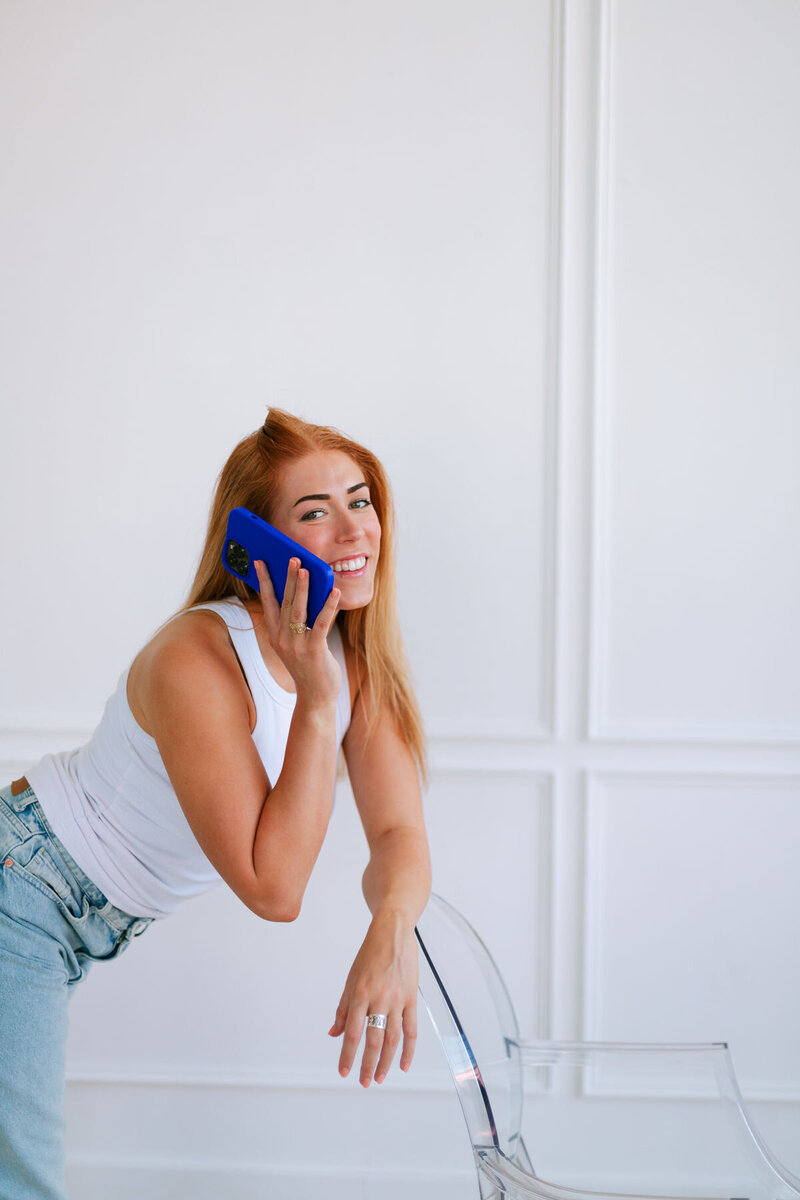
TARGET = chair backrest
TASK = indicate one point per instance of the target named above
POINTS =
(691, 1137)
(474, 1018)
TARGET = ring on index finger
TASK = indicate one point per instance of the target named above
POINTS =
(299, 627)
(376, 1020)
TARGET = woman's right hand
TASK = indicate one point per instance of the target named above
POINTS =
(306, 655)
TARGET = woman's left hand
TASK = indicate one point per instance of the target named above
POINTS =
(383, 979)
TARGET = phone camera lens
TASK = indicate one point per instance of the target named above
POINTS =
(237, 558)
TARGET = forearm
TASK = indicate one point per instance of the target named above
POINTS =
(397, 880)
(383, 978)
(296, 812)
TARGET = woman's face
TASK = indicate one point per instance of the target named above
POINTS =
(323, 502)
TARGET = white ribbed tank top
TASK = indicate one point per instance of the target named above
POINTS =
(113, 807)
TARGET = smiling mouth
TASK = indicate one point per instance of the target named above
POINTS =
(345, 565)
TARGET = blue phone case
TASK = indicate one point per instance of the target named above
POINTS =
(248, 538)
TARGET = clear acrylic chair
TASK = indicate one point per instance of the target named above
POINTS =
(605, 1120)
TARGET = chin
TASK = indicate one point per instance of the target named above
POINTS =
(352, 605)
(348, 603)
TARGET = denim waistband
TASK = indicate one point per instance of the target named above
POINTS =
(26, 801)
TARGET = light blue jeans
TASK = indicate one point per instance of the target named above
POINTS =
(54, 923)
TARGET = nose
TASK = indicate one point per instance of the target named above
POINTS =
(349, 528)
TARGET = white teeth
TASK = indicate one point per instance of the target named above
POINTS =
(350, 564)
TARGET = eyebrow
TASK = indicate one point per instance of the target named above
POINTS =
(326, 495)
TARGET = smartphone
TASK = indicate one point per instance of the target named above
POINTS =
(248, 539)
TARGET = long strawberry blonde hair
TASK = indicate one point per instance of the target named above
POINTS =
(250, 479)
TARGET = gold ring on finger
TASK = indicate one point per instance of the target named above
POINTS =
(299, 627)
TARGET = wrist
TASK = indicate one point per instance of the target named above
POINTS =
(319, 710)
(394, 919)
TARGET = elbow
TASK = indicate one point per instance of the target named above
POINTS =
(284, 913)
(276, 907)
(276, 896)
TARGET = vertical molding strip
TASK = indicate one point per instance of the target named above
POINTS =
(601, 390)
(552, 365)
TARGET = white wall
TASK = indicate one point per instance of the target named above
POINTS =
(542, 257)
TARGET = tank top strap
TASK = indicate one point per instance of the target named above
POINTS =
(245, 643)
(238, 621)
(232, 611)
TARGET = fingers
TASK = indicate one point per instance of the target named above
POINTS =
(337, 1028)
(295, 596)
(297, 606)
(380, 1045)
(409, 1036)
(294, 606)
(269, 601)
(353, 1028)
(327, 614)
(391, 1040)
(383, 983)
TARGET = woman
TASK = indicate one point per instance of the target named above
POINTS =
(216, 758)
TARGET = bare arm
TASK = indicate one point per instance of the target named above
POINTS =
(263, 839)
(396, 883)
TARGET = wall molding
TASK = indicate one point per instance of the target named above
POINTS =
(594, 793)
(551, 383)
(500, 730)
(179, 1077)
(600, 724)
(97, 1178)
(595, 682)
(501, 758)
(488, 754)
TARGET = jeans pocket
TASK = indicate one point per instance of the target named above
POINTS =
(13, 829)
(42, 871)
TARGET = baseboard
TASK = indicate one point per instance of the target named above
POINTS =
(97, 1179)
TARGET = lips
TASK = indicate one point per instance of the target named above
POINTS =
(345, 566)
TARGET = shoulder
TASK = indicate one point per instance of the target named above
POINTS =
(198, 636)
(191, 655)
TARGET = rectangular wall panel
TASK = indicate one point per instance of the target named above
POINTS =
(234, 1012)
(696, 584)
(691, 901)
(491, 844)
(353, 222)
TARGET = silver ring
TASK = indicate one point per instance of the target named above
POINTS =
(376, 1020)
(299, 627)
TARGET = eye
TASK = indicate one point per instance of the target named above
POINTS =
(361, 502)
(312, 514)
